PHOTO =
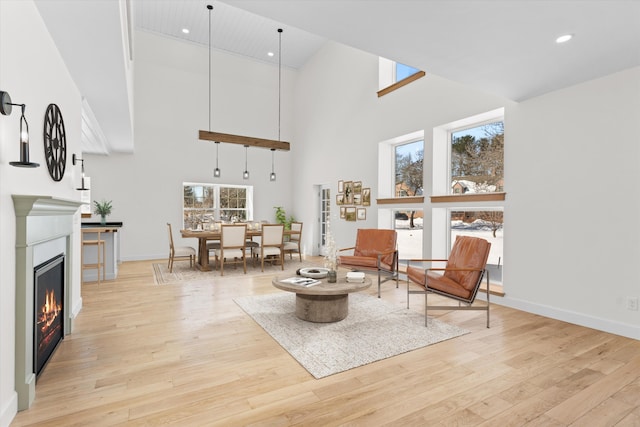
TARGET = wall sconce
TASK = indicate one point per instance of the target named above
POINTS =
(75, 159)
(245, 174)
(5, 109)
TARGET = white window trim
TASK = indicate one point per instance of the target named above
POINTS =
(216, 197)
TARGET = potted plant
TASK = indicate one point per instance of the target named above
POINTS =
(281, 217)
(103, 209)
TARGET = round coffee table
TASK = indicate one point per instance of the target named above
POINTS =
(325, 302)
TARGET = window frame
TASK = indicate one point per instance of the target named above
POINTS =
(217, 208)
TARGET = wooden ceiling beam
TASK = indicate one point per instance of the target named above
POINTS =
(243, 140)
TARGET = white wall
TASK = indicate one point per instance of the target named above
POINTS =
(572, 164)
(33, 73)
(171, 105)
(573, 236)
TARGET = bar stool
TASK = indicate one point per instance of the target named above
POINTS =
(100, 261)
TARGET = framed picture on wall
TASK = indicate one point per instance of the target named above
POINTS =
(357, 199)
(341, 186)
(357, 187)
(339, 199)
(348, 192)
(366, 197)
(361, 214)
(350, 214)
(342, 211)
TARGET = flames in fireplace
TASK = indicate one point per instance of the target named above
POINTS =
(48, 322)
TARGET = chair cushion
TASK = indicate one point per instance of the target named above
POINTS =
(365, 262)
(467, 252)
(291, 246)
(271, 251)
(230, 253)
(184, 251)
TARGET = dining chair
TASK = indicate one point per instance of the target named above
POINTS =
(272, 242)
(293, 245)
(233, 244)
(179, 252)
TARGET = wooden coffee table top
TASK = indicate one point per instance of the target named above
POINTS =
(341, 287)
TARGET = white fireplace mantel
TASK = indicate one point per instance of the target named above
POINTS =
(39, 219)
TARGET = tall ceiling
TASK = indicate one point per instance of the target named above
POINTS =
(503, 47)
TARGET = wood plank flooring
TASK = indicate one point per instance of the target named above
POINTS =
(146, 354)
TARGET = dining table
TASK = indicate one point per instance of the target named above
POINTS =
(202, 260)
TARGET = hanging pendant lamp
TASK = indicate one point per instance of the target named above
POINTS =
(216, 171)
(245, 174)
(272, 177)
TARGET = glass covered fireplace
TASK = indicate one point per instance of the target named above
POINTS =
(48, 279)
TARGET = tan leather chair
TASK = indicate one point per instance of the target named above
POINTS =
(460, 279)
(375, 250)
(293, 245)
(179, 252)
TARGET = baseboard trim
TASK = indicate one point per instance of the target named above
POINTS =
(9, 410)
(605, 325)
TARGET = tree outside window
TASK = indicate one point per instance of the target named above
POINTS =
(477, 159)
(409, 172)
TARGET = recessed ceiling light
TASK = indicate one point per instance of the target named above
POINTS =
(564, 38)
(185, 30)
(270, 53)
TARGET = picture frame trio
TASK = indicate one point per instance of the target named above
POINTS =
(351, 195)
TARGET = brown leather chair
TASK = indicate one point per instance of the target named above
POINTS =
(375, 250)
(460, 278)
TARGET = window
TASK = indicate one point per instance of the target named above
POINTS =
(469, 158)
(401, 185)
(486, 224)
(477, 159)
(409, 160)
(204, 203)
(394, 75)
(408, 226)
(403, 71)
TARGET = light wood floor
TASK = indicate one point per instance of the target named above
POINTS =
(144, 354)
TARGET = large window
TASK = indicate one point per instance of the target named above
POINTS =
(486, 224)
(403, 71)
(477, 159)
(409, 161)
(204, 203)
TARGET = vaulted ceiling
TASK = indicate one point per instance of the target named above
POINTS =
(504, 47)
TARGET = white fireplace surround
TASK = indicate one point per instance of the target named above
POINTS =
(44, 228)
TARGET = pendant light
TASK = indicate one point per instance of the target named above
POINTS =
(216, 171)
(272, 177)
(245, 174)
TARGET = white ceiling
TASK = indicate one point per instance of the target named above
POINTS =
(504, 47)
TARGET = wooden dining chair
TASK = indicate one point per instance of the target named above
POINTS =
(293, 245)
(233, 245)
(272, 242)
(179, 252)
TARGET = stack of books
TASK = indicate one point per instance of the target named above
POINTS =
(355, 277)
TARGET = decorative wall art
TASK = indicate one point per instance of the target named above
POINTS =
(350, 214)
(361, 214)
(354, 194)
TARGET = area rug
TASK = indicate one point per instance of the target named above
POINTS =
(183, 273)
(373, 330)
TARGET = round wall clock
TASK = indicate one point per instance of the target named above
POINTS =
(55, 142)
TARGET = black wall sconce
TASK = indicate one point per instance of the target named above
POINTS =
(5, 109)
(75, 159)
